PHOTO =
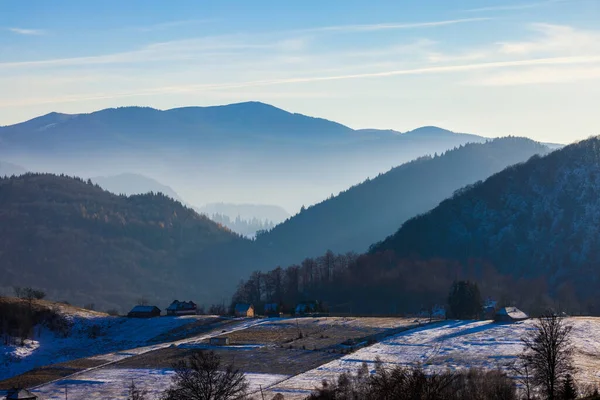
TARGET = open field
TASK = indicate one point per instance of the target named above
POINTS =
(278, 359)
(453, 345)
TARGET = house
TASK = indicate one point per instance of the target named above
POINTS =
(309, 307)
(21, 394)
(144, 312)
(510, 314)
(272, 310)
(182, 308)
(219, 341)
(244, 310)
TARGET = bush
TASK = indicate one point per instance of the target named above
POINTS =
(406, 383)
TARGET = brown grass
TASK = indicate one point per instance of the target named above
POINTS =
(48, 373)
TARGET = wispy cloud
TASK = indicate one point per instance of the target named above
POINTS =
(390, 26)
(516, 7)
(538, 75)
(190, 88)
(185, 49)
(555, 39)
(170, 24)
(23, 31)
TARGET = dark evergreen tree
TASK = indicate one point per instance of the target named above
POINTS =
(569, 391)
(464, 300)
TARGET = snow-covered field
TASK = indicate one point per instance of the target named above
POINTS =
(452, 345)
(441, 345)
(112, 383)
(113, 334)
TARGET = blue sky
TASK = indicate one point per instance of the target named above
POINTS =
(493, 67)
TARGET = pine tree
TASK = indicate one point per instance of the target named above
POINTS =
(569, 391)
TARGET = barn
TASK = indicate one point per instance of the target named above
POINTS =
(272, 310)
(510, 314)
(182, 308)
(244, 310)
(144, 312)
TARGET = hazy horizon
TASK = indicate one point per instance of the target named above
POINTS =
(504, 68)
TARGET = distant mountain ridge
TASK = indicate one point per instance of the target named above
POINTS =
(211, 154)
(262, 212)
(375, 208)
(132, 184)
(536, 219)
(8, 169)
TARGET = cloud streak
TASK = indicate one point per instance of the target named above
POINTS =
(539, 62)
(390, 26)
(27, 32)
(515, 7)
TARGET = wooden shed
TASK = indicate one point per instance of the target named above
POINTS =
(244, 310)
(144, 312)
(182, 308)
(510, 314)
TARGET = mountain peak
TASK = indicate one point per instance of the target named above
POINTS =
(428, 130)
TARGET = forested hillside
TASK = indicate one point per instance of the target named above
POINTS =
(374, 209)
(86, 245)
(537, 219)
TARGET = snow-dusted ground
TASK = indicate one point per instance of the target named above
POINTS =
(114, 334)
(112, 383)
(442, 345)
(452, 345)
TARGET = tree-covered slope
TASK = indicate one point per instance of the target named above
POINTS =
(540, 218)
(374, 209)
(86, 245)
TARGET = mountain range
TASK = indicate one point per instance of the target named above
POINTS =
(538, 219)
(375, 208)
(243, 153)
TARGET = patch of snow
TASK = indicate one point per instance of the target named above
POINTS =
(452, 345)
(113, 383)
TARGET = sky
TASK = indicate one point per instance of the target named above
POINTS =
(527, 68)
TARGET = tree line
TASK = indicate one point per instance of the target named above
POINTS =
(385, 284)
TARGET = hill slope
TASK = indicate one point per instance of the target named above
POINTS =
(374, 209)
(84, 244)
(215, 154)
(539, 218)
(130, 184)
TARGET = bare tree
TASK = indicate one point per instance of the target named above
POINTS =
(548, 354)
(142, 301)
(522, 375)
(202, 377)
(134, 393)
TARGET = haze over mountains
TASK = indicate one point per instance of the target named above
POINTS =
(151, 245)
(8, 169)
(130, 184)
(374, 209)
(240, 153)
